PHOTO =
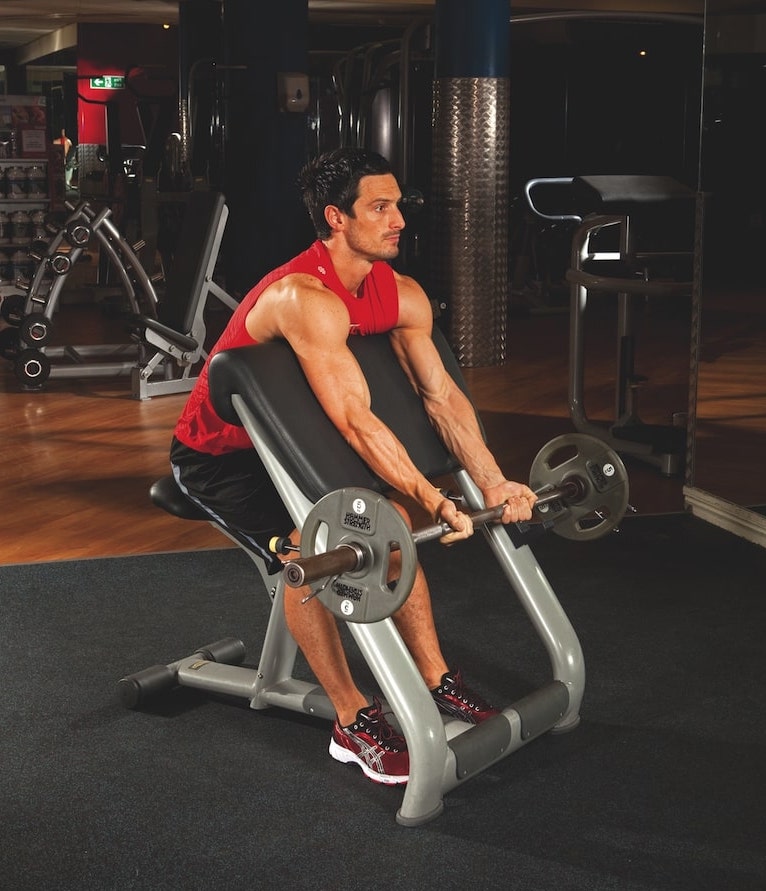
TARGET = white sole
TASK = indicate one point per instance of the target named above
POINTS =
(346, 756)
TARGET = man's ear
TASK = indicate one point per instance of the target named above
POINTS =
(334, 216)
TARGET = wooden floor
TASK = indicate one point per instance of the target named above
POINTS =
(79, 456)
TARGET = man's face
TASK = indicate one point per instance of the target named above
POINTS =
(374, 229)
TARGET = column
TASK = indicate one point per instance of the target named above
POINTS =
(470, 180)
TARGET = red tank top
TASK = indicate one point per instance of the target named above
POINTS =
(374, 310)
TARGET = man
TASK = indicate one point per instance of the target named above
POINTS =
(342, 286)
(66, 142)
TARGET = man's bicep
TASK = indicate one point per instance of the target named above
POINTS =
(421, 362)
(413, 344)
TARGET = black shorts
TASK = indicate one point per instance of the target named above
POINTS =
(237, 491)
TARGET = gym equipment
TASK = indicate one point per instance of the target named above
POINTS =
(582, 486)
(168, 332)
(9, 343)
(177, 335)
(12, 308)
(56, 258)
(359, 529)
(307, 458)
(629, 207)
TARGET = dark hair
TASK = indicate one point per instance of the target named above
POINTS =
(333, 178)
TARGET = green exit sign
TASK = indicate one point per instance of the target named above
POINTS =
(107, 82)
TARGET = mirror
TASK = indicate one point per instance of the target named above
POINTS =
(726, 483)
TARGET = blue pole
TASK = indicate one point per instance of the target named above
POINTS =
(472, 38)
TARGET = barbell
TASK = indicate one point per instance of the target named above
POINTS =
(350, 534)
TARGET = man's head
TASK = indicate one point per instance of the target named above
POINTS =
(333, 179)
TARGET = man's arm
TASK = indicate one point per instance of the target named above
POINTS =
(315, 324)
(450, 411)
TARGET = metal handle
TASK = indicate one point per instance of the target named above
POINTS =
(552, 181)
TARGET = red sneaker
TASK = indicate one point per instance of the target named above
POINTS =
(373, 744)
(455, 699)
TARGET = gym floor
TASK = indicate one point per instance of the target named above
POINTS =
(647, 793)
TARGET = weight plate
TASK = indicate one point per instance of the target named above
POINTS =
(368, 520)
(60, 263)
(32, 368)
(12, 308)
(10, 343)
(36, 329)
(603, 479)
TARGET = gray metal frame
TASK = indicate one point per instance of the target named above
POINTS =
(47, 284)
(581, 283)
(170, 353)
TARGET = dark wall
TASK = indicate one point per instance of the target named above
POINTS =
(265, 145)
(586, 97)
(589, 102)
(733, 172)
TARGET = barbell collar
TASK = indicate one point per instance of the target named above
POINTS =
(302, 571)
(571, 490)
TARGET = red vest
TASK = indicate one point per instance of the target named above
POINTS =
(374, 310)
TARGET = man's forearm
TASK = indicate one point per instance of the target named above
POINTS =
(385, 455)
(455, 422)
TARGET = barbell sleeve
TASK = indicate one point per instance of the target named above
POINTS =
(572, 489)
(304, 570)
(349, 557)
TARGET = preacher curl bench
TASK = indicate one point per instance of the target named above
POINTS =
(310, 462)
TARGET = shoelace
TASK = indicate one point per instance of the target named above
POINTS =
(379, 728)
(456, 689)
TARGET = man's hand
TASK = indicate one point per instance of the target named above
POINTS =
(518, 498)
(461, 524)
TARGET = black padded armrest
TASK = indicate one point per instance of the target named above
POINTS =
(182, 341)
(272, 385)
(623, 194)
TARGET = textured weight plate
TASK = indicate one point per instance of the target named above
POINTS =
(604, 482)
(366, 519)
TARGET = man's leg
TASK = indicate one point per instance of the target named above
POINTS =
(416, 625)
(415, 622)
(361, 735)
(237, 491)
(316, 632)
